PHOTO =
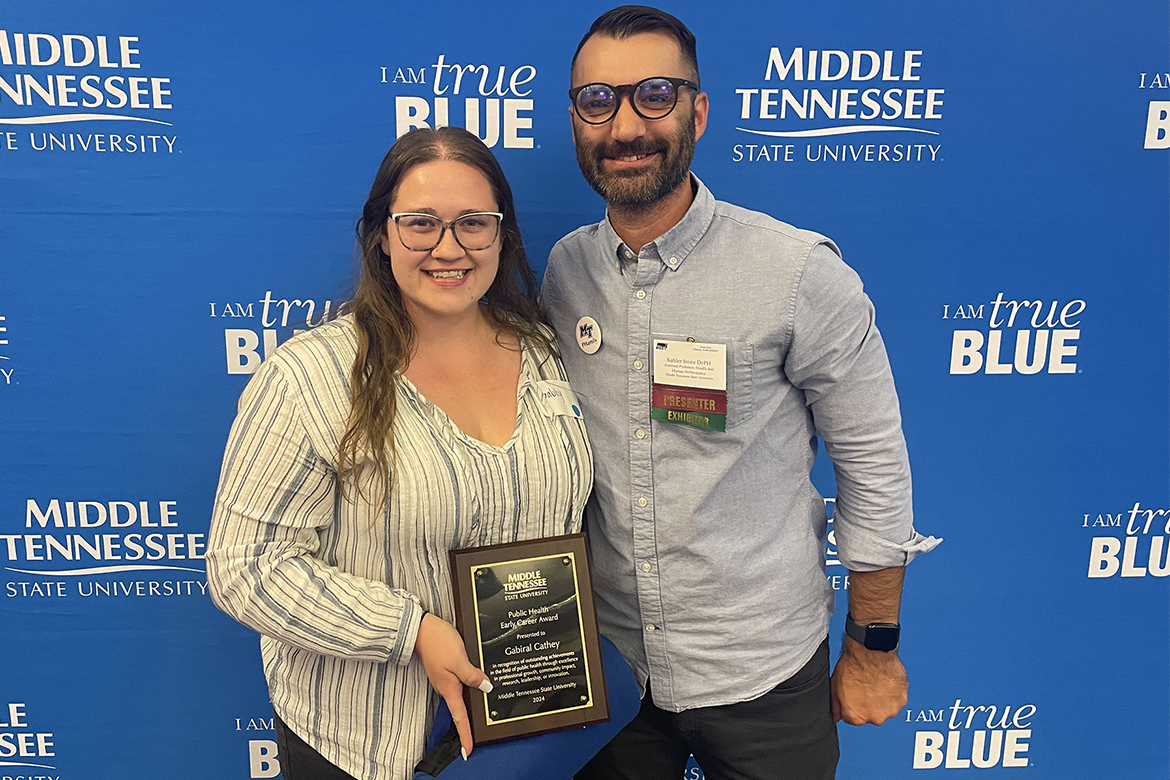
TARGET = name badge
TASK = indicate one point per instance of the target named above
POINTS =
(557, 398)
(690, 384)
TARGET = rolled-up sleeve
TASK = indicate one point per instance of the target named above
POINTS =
(837, 357)
(275, 492)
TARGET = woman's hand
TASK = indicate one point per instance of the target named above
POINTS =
(441, 650)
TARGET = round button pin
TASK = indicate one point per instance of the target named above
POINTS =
(588, 335)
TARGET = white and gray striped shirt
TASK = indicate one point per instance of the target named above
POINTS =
(335, 585)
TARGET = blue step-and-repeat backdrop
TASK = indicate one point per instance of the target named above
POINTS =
(179, 185)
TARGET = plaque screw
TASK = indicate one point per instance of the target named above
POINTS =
(479, 572)
(584, 698)
(566, 561)
(495, 714)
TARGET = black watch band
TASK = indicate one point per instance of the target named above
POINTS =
(873, 636)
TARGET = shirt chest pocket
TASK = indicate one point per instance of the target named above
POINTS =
(740, 359)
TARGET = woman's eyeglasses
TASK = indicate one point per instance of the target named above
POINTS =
(423, 232)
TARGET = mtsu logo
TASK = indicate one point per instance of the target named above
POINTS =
(814, 93)
(586, 331)
(838, 578)
(22, 744)
(101, 548)
(492, 101)
(54, 79)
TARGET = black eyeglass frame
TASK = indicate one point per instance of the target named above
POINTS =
(629, 89)
(443, 226)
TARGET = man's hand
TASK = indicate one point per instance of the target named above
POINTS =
(441, 650)
(868, 686)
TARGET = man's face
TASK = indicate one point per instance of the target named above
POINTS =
(634, 162)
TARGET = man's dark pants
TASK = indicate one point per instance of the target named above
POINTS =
(786, 734)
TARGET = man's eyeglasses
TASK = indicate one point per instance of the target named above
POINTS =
(423, 232)
(651, 98)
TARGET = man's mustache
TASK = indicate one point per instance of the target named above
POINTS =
(631, 148)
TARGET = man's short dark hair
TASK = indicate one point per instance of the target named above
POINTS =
(627, 20)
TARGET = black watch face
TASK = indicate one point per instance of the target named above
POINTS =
(879, 636)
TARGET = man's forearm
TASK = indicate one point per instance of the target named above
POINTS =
(875, 596)
(869, 686)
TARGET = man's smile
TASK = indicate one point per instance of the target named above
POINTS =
(628, 161)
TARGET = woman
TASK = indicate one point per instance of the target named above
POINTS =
(367, 448)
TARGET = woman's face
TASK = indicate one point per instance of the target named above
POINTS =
(448, 280)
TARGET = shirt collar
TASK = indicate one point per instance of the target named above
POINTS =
(674, 245)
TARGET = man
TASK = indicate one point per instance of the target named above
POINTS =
(710, 346)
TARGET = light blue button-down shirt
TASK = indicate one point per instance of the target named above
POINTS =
(708, 547)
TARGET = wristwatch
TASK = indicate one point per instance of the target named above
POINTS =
(874, 636)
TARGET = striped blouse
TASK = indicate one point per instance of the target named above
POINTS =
(336, 585)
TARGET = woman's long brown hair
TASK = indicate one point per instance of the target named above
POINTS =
(385, 333)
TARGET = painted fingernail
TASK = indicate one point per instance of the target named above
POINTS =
(486, 686)
(463, 752)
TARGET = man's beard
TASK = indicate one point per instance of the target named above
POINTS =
(639, 190)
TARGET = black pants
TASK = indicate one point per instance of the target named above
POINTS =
(786, 734)
(298, 761)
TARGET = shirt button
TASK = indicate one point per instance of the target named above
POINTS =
(672, 262)
(642, 501)
(646, 567)
(650, 627)
(638, 365)
(640, 294)
(641, 434)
